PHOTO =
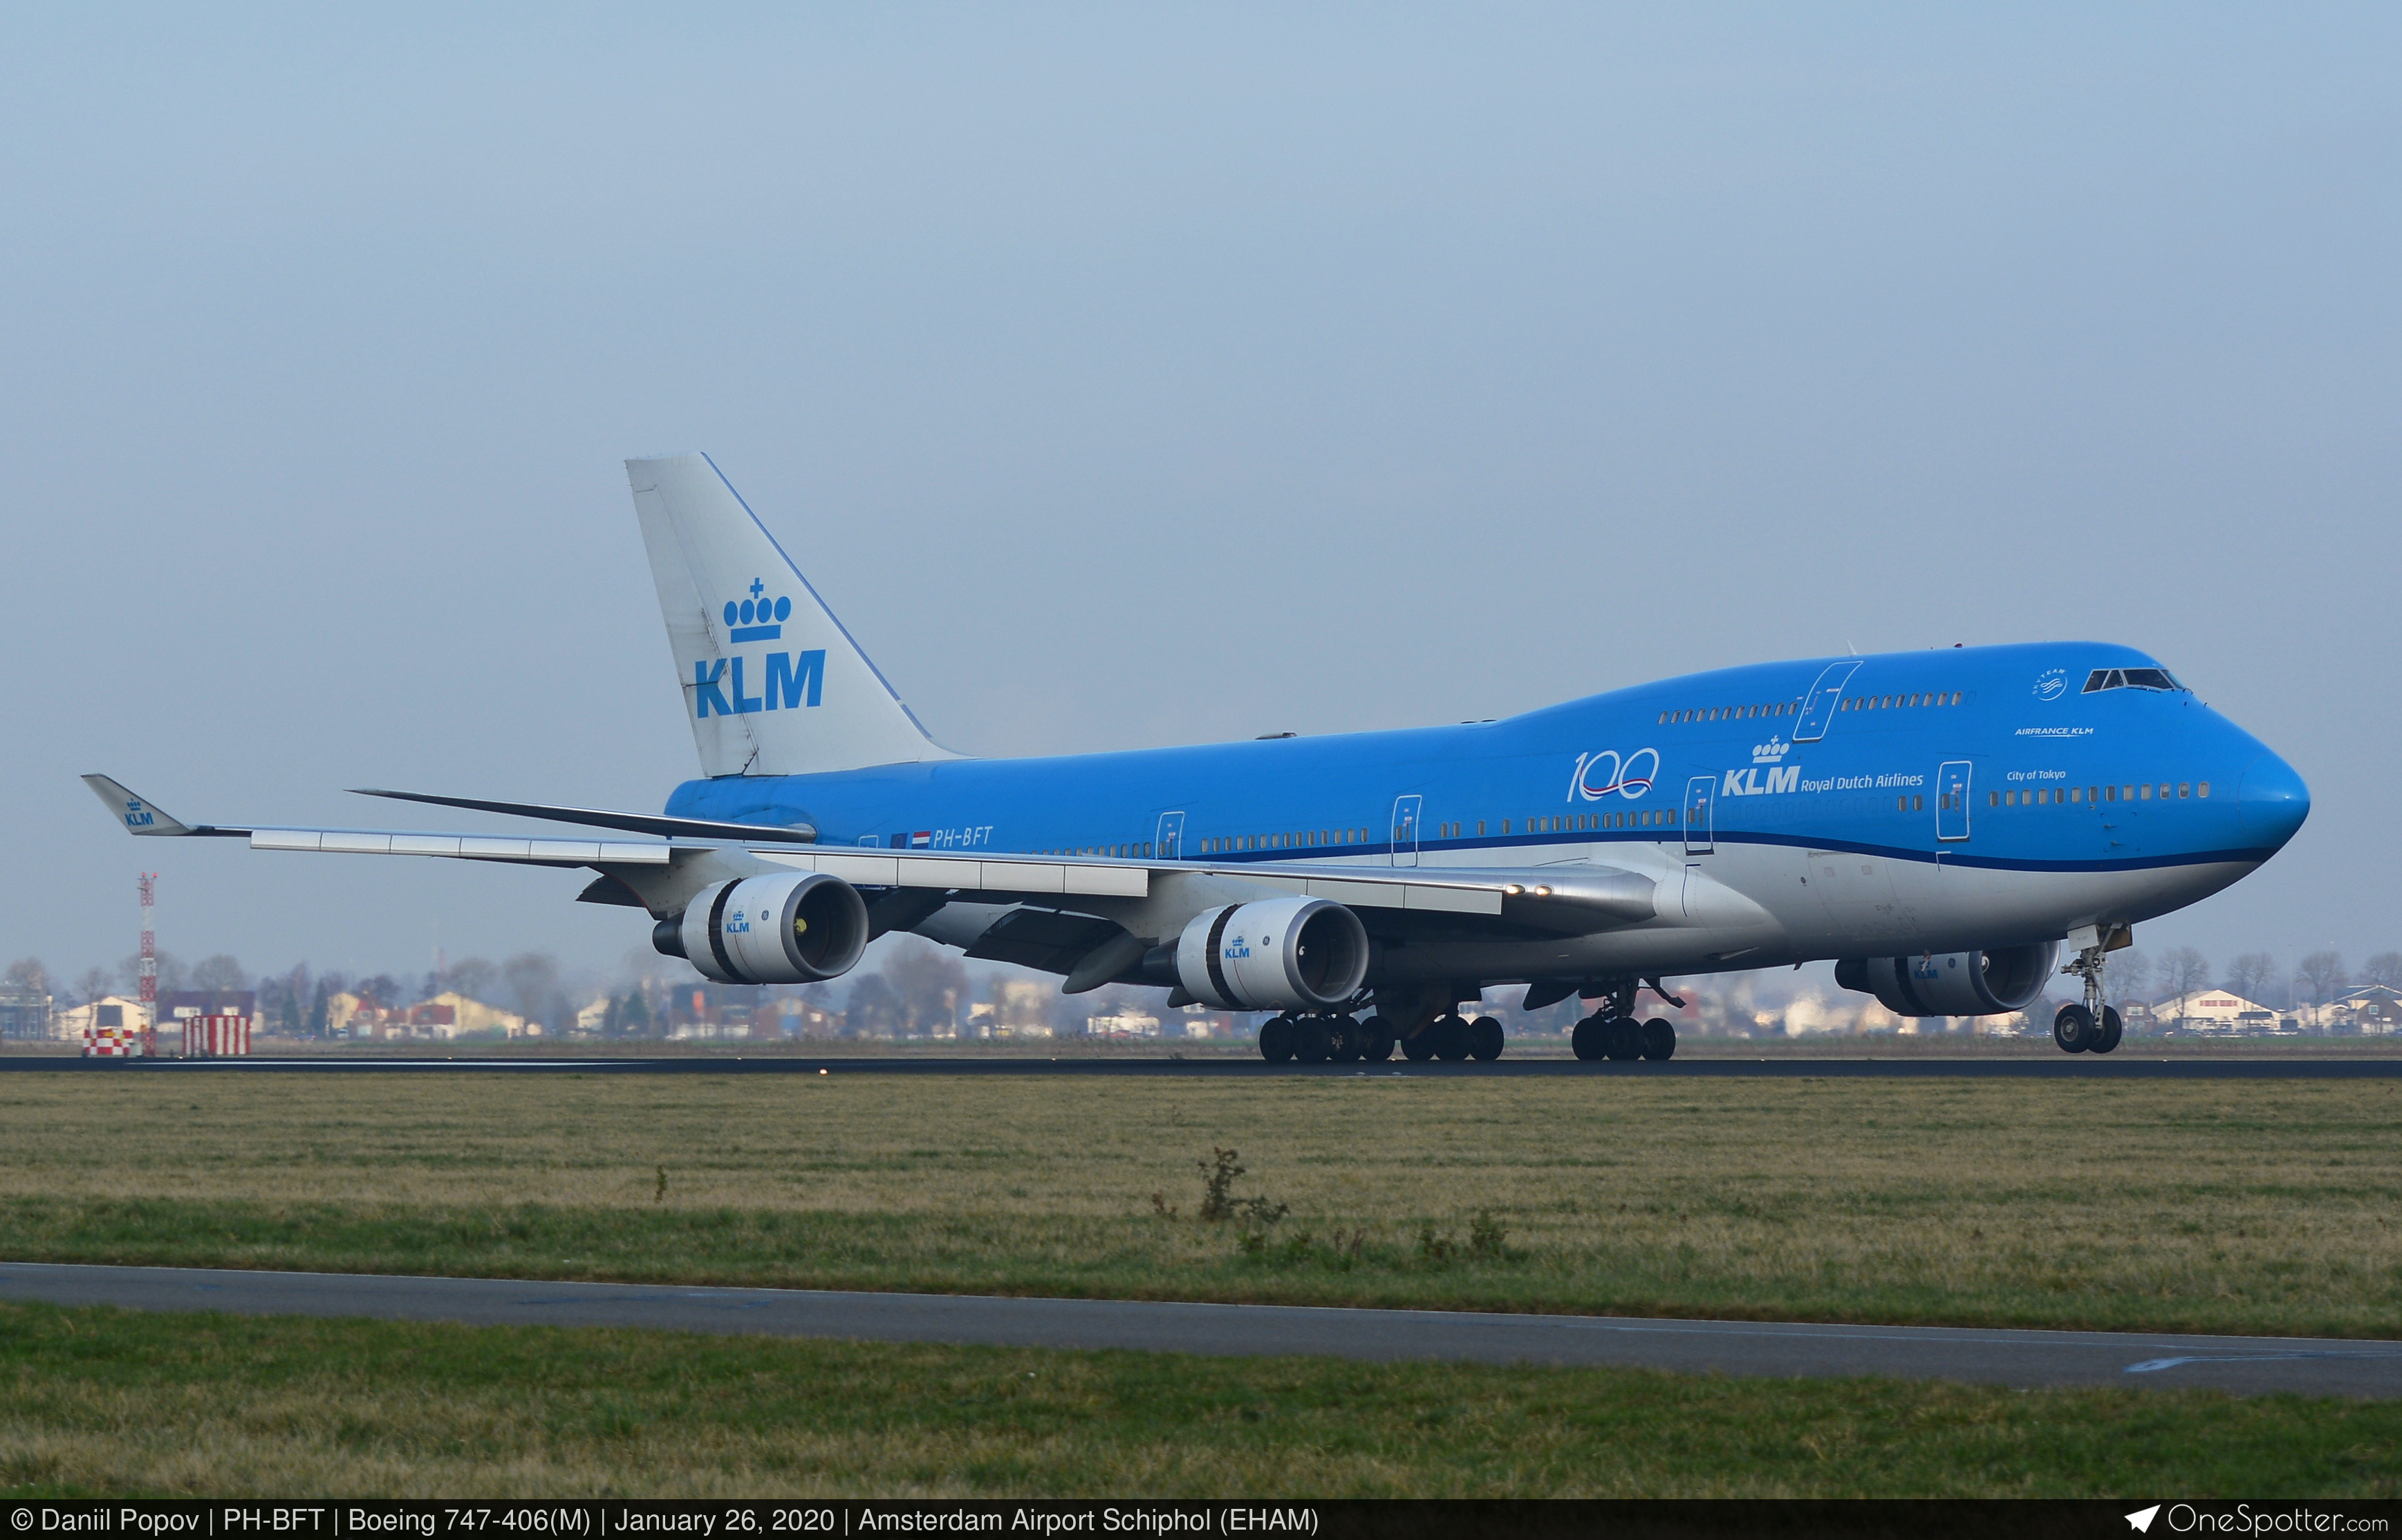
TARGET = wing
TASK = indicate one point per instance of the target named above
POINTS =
(1553, 900)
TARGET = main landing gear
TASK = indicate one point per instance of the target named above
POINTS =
(2093, 1026)
(1612, 1032)
(1325, 1037)
(1333, 1037)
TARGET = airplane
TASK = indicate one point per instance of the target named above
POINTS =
(1939, 824)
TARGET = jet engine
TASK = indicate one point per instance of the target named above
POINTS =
(1954, 984)
(796, 929)
(1291, 954)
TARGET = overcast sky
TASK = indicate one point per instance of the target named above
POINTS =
(1127, 376)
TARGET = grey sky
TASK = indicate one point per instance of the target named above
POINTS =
(1133, 376)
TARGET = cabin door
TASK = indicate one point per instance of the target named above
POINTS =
(1405, 828)
(1818, 705)
(1172, 837)
(1952, 800)
(1699, 794)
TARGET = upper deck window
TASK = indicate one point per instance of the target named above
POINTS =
(2129, 678)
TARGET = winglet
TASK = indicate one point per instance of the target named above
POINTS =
(143, 818)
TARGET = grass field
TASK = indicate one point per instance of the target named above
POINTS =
(103, 1402)
(2250, 1207)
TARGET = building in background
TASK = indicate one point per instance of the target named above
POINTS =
(26, 1015)
(2212, 1010)
(75, 1024)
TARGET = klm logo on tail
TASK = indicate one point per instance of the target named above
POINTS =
(789, 682)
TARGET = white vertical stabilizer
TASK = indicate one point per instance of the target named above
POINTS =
(772, 683)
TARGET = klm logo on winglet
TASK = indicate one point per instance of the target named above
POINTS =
(757, 618)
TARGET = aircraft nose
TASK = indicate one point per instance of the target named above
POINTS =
(2272, 801)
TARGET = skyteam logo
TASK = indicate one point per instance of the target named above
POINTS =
(757, 618)
(1602, 775)
(2052, 685)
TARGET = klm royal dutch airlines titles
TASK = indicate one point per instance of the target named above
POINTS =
(1953, 827)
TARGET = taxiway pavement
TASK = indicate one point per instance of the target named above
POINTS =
(2242, 1365)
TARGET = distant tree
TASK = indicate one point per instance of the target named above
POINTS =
(874, 1009)
(221, 972)
(532, 979)
(2130, 973)
(634, 1015)
(170, 972)
(321, 1010)
(29, 973)
(92, 984)
(930, 985)
(382, 989)
(2385, 968)
(292, 994)
(470, 976)
(2250, 975)
(2320, 977)
(2182, 971)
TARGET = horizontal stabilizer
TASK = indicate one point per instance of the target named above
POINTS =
(594, 817)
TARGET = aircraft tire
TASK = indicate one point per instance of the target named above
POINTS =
(1484, 1040)
(1622, 1039)
(1275, 1040)
(2109, 1032)
(1419, 1049)
(1349, 1043)
(1379, 1040)
(1311, 1043)
(1451, 1039)
(1585, 1041)
(1659, 1038)
(2073, 1029)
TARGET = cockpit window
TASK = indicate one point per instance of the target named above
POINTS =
(2129, 678)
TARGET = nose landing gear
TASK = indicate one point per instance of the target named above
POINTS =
(2092, 1027)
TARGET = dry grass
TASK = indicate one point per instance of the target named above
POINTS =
(2248, 1206)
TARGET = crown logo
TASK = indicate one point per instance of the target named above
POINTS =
(757, 618)
(1770, 752)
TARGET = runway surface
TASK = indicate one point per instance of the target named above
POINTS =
(2057, 1066)
(2243, 1365)
(2036, 1068)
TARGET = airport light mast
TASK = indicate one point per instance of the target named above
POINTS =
(149, 965)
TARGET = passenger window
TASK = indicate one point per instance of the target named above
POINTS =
(2147, 791)
(2184, 790)
(1918, 805)
(1993, 799)
(1480, 828)
(2203, 790)
(1505, 826)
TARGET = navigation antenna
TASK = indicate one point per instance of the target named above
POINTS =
(150, 965)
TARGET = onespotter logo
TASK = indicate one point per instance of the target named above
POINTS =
(1602, 775)
(785, 680)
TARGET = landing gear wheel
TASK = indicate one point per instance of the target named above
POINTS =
(1484, 1040)
(1311, 1043)
(1451, 1039)
(1622, 1039)
(1348, 1040)
(1585, 1041)
(1379, 1040)
(2074, 1030)
(2109, 1032)
(1419, 1049)
(1275, 1040)
(1659, 1038)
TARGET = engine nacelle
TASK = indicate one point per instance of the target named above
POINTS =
(1291, 954)
(1954, 984)
(797, 928)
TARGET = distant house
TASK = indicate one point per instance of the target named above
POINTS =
(110, 1010)
(2212, 1010)
(444, 1016)
(2372, 1008)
